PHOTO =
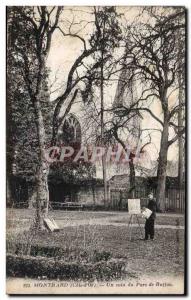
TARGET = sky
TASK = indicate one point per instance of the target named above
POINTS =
(64, 51)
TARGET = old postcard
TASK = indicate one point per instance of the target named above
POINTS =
(96, 150)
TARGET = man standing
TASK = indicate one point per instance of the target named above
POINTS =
(149, 224)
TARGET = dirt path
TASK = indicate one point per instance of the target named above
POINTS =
(116, 220)
(63, 224)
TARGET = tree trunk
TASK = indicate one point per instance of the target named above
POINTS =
(42, 199)
(181, 152)
(180, 138)
(9, 197)
(132, 175)
(161, 181)
(32, 194)
(181, 96)
(102, 122)
(104, 179)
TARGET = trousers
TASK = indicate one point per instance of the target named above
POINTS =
(149, 228)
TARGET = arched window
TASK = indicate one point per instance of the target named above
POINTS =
(71, 130)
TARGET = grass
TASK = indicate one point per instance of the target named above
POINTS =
(164, 255)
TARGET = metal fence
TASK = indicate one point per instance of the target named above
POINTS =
(174, 200)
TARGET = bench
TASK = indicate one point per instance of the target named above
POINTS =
(66, 205)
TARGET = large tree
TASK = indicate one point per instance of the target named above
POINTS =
(30, 49)
(153, 52)
(106, 36)
(30, 31)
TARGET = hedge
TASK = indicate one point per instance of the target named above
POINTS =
(57, 252)
(51, 268)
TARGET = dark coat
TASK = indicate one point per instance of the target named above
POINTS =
(153, 207)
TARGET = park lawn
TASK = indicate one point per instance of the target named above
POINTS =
(115, 216)
(61, 214)
(20, 219)
(164, 255)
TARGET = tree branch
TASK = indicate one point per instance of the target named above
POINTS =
(176, 137)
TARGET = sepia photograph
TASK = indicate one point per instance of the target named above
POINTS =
(96, 150)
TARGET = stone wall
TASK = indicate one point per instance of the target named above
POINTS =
(87, 195)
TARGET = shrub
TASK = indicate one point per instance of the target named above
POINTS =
(34, 267)
(79, 254)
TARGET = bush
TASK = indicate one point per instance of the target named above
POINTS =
(51, 268)
(69, 254)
